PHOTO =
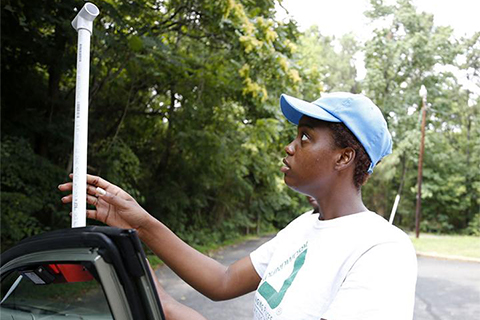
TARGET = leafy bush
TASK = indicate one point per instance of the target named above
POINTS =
(473, 227)
(30, 200)
(439, 224)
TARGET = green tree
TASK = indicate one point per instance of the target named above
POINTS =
(183, 110)
(406, 51)
(325, 68)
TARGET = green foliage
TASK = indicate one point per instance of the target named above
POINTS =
(408, 50)
(184, 112)
(323, 66)
(117, 161)
(30, 200)
(473, 228)
(438, 224)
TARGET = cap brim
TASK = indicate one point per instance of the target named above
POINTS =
(293, 109)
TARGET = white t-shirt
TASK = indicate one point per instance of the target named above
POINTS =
(353, 267)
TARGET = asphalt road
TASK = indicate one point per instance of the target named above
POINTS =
(446, 289)
(236, 309)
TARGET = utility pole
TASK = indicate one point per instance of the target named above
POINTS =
(423, 94)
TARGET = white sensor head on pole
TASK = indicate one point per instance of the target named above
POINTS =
(423, 92)
(84, 19)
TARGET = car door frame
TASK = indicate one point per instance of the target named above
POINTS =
(117, 254)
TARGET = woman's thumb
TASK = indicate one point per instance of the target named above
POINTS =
(109, 197)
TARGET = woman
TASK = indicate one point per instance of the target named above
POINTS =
(347, 263)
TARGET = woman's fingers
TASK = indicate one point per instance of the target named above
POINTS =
(111, 198)
(99, 182)
(91, 197)
(92, 190)
(93, 193)
(67, 199)
(92, 200)
(91, 180)
(65, 186)
(93, 214)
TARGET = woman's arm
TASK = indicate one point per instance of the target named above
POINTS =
(173, 309)
(115, 207)
(200, 271)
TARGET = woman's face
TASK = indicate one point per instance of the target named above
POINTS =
(311, 157)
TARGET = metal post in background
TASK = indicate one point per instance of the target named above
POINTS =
(418, 211)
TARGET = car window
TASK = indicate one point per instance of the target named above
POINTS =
(53, 291)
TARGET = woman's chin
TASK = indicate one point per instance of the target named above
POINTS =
(290, 182)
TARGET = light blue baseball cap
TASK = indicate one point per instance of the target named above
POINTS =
(357, 112)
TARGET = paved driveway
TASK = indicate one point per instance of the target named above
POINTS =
(447, 290)
(236, 309)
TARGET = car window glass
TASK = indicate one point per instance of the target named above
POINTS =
(51, 291)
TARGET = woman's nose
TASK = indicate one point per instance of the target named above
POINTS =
(290, 149)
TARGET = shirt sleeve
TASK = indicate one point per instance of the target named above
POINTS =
(262, 255)
(381, 285)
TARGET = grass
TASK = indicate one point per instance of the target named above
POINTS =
(452, 245)
(154, 261)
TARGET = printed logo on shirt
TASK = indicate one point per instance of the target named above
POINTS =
(274, 297)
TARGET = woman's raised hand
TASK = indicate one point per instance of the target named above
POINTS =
(113, 206)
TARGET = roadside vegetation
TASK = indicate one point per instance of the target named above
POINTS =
(448, 245)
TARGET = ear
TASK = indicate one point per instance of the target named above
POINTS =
(345, 159)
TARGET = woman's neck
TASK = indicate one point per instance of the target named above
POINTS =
(336, 204)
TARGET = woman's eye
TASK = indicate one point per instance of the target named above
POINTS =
(304, 137)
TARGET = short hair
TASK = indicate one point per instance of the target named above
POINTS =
(344, 138)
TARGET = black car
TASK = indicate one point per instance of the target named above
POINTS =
(80, 273)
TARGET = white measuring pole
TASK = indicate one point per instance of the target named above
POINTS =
(83, 23)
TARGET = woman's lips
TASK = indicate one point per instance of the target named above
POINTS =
(286, 167)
